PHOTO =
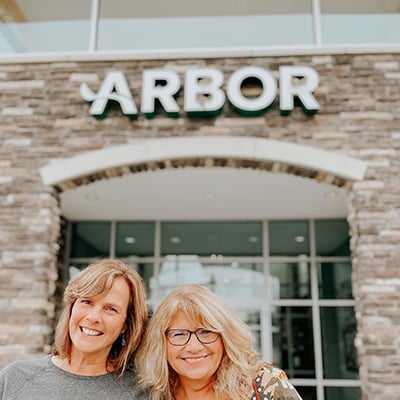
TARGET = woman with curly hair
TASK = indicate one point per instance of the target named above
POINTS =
(196, 348)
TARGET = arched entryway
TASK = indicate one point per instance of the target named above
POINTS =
(259, 221)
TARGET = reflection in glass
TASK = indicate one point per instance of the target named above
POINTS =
(233, 282)
(134, 239)
(338, 330)
(146, 271)
(212, 238)
(332, 238)
(130, 25)
(335, 280)
(293, 343)
(294, 279)
(358, 21)
(42, 25)
(90, 239)
(289, 238)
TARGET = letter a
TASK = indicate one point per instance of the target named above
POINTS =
(114, 88)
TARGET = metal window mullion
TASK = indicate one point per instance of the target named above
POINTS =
(266, 317)
(316, 22)
(157, 262)
(94, 25)
(319, 375)
(67, 253)
(113, 238)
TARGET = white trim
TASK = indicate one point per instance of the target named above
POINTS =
(201, 53)
(248, 148)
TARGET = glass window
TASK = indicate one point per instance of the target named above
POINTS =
(292, 280)
(212, 238)
(75, 268)
(360, 21)
(332, 238)
(335, 280)
(43, 25)
(307, 392)
(170, 24)
(233, 282)
(146, 271)
(134, 239)
(90, 239)
(289, 238)
(293, 343)
(342, 393)
(338, 330)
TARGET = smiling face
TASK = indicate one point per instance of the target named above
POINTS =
(96, 323)
(195, 362)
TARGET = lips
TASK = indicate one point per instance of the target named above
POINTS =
(194, 359)
(90, 332)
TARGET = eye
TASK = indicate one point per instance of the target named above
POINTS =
(178, 334)
(85, 301)
(205, 332)
(111, 310)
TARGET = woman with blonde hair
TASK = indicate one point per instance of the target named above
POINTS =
(100, 328)
(196, 348)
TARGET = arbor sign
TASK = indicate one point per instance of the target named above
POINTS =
(204, 92)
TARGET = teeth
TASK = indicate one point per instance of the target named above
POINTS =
(89, 332)
(195, 360)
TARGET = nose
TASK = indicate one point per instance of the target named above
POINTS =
(194, 343)
(93, 315)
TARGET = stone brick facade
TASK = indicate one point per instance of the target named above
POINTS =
(42, 118)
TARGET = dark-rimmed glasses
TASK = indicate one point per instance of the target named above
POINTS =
(180, 337)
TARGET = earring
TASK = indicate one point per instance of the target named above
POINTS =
(122, 335)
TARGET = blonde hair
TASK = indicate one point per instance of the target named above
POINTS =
(96, 280)
(240, 362)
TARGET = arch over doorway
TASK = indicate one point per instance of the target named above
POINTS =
(216, 151)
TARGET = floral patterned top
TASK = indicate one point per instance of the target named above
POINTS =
(271, 383)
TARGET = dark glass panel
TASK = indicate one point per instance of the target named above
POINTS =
(212, 238)
(338, 331)
(90, 239)
(289, 238)
(293, 341)
(342, 393)
(135, 239)
(332, 238)
(334, 280)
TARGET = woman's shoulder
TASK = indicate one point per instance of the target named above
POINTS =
(272, 382)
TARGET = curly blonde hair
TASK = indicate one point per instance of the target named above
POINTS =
(239, 364)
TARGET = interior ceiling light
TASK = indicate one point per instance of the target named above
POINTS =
(253, 239)
(175, 239)
(331, 194)
(130, 240)
(299, 239)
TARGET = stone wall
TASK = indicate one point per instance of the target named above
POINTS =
(42, 118)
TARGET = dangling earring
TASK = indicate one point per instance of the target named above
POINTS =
(122, 339)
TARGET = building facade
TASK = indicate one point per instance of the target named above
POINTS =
(267, 173)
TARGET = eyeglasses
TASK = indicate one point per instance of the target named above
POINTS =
(180, 337)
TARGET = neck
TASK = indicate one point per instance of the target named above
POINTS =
(195, 392)
(81, 365)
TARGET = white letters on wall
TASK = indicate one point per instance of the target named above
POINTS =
(204, 93)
